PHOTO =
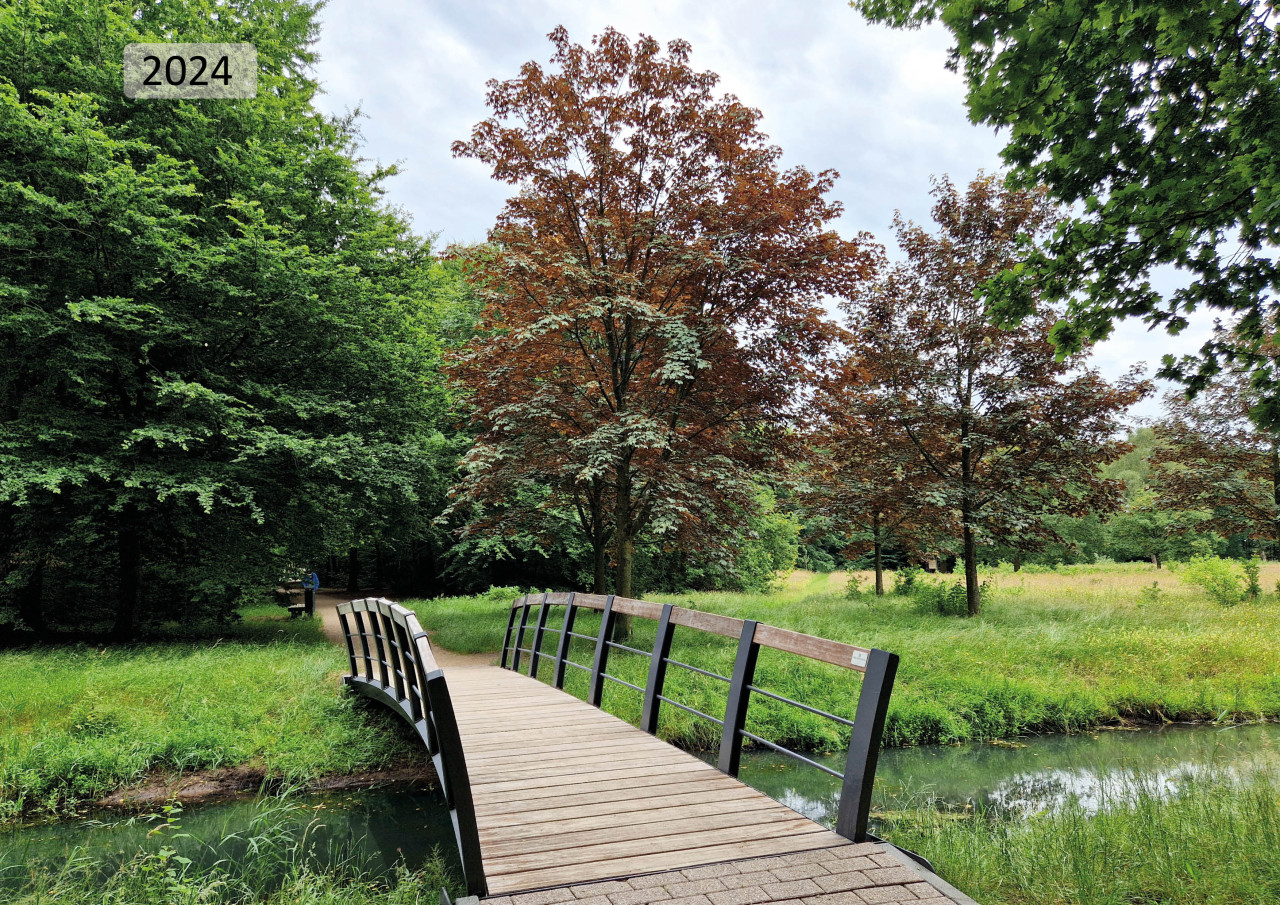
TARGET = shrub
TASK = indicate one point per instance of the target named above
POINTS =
(906, 580)
(944, 599)
(1252, 568)
(1219, 578)
(1151, 593)
(853, 587)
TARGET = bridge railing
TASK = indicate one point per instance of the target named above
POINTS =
(391, 662)
(866, 729)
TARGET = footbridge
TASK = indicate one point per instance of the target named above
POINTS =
(555, 801)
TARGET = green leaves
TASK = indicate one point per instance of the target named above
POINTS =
(1164, 120)
(218, 339)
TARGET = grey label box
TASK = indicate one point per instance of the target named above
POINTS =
(168, 71)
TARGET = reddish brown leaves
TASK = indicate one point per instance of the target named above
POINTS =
(1004, 432)
(655, 287)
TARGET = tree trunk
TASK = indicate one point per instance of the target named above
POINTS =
(30, 600)
(622, 584)
(353, 570)
(966, 517)
(1275, 487)
(1017, 560)
(129, 575)
(600, 577)
(377, 564)
(879, 561)
(624, 543)
(1155, 558)
(971, 569)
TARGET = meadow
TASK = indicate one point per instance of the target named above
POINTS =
(1054, 651)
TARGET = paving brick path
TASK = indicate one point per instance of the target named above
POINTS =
(866, 874)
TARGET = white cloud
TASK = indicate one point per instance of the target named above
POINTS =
(875, 104)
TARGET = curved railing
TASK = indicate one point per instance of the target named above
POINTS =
(392, 662)
(866, 728)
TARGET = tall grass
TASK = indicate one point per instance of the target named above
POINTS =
(1215, 841)
(1057, 651)
(79, 722)
(278, 867)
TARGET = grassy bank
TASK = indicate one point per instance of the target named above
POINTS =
(1215, 841)
(79, 722)
(1053, 652)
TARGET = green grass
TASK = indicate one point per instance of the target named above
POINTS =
(1214, 842)
(79, 722)
(1058, 651)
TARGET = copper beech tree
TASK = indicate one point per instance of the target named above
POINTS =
(653, 291)
(1007, 432)
(1211, 455)
(870, 482)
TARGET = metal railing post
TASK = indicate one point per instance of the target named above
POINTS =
(393, 662)
(864, 745)
(595, 691)
(735, 710)
(538, 632)
(562, 649)
(346, 634)
(506, 639)
(657, 671)
(364, 639)
(524, 621)
(375, 625)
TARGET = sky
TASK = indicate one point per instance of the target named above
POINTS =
(877, 105)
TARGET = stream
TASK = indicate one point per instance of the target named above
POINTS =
(376, 829)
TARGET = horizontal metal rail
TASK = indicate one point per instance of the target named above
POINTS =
(687, 708)
(699, 670)
(792, 754)
(616, 646)
(878, 670)
(623, 682)
(392, 662)
(813, 710)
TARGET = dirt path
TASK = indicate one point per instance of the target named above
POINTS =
(327, 600)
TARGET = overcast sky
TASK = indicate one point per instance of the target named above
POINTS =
(876, 105)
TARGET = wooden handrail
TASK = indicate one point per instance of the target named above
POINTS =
(878, 668)
(837, 653)
(392, 662)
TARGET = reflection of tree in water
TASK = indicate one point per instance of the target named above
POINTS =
(1095, 771)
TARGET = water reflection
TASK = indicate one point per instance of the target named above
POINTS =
(1034, 775)
(371, 830)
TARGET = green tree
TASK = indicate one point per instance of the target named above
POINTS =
(218, 340)
(1161, 123)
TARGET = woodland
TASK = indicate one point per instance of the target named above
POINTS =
(230, 361)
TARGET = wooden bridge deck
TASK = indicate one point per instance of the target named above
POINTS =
(565, 793)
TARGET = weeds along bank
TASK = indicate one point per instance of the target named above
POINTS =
(1213, 841)
(279, 867)
(1054, 651)
(79, 722)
